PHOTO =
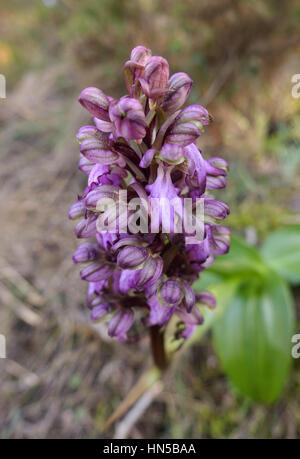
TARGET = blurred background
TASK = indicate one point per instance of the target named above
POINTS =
(62, 377)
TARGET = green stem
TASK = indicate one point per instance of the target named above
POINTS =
(158, 347)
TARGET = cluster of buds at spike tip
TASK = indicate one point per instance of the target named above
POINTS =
(144, 144)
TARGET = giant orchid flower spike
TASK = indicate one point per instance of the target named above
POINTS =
(139, 263)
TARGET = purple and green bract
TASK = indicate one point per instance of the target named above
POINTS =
(145, 143)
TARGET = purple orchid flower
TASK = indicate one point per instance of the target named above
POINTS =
(144, 145)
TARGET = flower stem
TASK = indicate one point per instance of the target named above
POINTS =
(158, 347)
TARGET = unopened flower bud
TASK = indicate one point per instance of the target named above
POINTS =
(140, 54)
(156, 80)
(88, 251)
(95, 102)
(179, 89)
(188, 125)
(134, 68)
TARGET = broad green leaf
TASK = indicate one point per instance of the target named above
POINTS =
(281, 251)
(252, 338)
(242, 260)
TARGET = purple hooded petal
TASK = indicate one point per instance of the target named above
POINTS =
(127, 280)
(220, 240)
(77, 210)
(216, 173)
(104, 191)
(135, 68)
(156, 77)
(183, 134)
(194, 114)
(132, 257)
(215, 183)
(96, 272)
(196, 166)
(188, 125)
(120, 324)
(100, 311)
(206, 298)
(128, 240)
(99, 151)
(106, 240)
(87, 132)
(179, 89)
(128, 118)
(103, 126)
(171, 292)
(216, 209)
(96, 173)
(88, 251)
(140, 54)
(85, 165)
(189, 295)
(95, 102)
(86, 227)
(217, 166)
(150, 272)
